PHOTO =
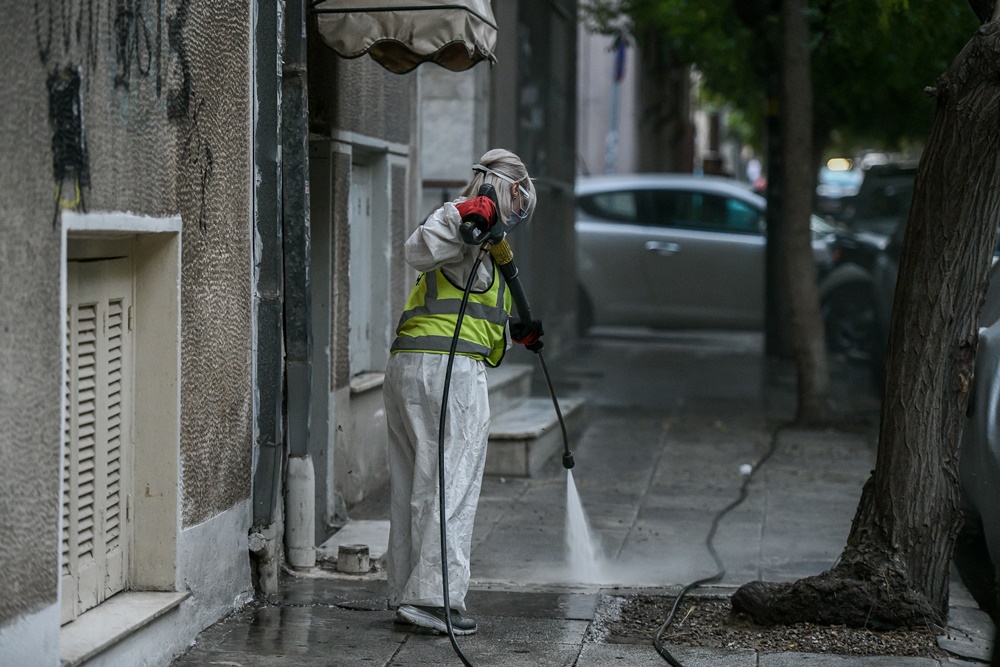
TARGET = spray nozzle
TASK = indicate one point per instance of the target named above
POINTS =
(568, 460)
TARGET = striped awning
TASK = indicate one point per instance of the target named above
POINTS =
(401, 34)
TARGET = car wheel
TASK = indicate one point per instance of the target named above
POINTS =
(584, 312)
(851, 328)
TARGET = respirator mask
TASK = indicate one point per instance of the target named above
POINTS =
(519, 213)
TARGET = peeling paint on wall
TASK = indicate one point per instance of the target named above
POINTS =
(70, 165)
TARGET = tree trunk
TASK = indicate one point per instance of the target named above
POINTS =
(777, 332)
(796, 261)
(664, 101)
(894, 571)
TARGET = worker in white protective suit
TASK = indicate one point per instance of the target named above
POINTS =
(414, 382)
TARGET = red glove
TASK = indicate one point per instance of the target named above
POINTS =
(528, 334)
(481, 211)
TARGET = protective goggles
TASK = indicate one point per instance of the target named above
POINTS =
(524, 209)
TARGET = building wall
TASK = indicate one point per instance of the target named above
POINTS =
(216, 570)
(213, 125)
(533, 113)
(605, 147)
(29, 330)
(454, 130)
(160, 126)
(360, 116)
(358, 95)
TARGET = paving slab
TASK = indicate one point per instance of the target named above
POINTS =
(970, 633)
(421, 650)
(568, 605)
(293, 635)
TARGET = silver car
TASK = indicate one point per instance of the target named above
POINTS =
(673, 251)
(979, 459)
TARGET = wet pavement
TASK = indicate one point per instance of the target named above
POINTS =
(670, 420)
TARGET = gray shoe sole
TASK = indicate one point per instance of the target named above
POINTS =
(423, 619)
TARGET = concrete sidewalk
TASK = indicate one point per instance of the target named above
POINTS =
(671, 418)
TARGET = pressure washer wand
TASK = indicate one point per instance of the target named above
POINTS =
(503, 257)
(495, 239)
(567, 457)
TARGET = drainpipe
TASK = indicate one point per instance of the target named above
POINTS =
(269, 445)
(300, 500)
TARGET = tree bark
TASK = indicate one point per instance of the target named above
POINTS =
(664, 100)
(894, 571)
(795, 254)
(777, 331)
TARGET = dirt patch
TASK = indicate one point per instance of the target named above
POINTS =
(711, 623)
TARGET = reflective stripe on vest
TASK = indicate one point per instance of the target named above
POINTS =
(431, 313)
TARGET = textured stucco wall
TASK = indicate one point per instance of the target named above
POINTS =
(214, 192)
(340, 331)
(29, 328)
(358, 95)
(165, 126)
(379, 104)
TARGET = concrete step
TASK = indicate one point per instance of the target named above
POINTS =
(509, 386)
(524, 438)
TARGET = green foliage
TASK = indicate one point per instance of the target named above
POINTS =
(870, 74)
(871, 59)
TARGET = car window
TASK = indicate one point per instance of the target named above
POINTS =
(742, 218)
(674, 208)
(620, 205)
(705, 211)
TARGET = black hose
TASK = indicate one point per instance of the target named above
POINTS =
(441, 485)
(657, 638)
(567, 459)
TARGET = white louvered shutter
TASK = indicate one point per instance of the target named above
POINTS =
(97, 458)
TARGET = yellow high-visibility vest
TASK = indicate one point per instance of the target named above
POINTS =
(431, 314)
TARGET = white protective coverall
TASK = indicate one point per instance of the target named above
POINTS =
(414, 382)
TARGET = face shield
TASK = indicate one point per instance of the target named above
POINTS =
(521, 204)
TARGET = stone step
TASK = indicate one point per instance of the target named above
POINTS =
(524, 438)
(509, 385)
